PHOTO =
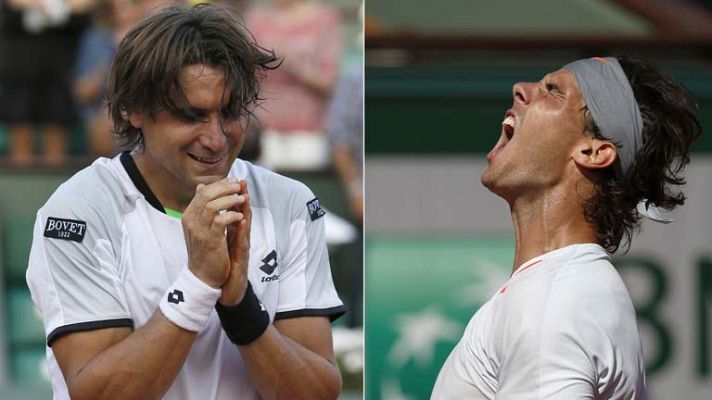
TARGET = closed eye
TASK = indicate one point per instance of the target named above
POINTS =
(192, 115)
(227, 114)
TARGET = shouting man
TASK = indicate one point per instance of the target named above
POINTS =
(583, 154)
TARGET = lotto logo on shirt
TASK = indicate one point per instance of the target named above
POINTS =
(67, 229)
(269, 264)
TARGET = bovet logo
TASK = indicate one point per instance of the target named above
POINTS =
(66, 229)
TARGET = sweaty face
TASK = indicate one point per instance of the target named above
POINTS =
(181, 151)
(538, 133)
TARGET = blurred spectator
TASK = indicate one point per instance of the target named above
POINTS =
(345, 129)
(344, 126)
(238, 6)
(150, 6)
(37, 47)
(113, 19)
(306, 35)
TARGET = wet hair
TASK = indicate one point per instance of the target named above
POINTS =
(670, 126)
(145, 73)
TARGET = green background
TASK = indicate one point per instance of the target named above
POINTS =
(409, 276)
(440, 109)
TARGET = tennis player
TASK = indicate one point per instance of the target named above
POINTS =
(583, 155)
(176, 270)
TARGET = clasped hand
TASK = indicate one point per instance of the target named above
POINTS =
(216, 226)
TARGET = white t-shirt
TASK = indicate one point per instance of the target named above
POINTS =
(563, 327)
(104, 253)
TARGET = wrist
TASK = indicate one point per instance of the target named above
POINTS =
(205, 279)
(246, 321)
(189, 301)
(229, 298)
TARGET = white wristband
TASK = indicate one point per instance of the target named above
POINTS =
(189, 301)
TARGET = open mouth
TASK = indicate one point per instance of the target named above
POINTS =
(508, 128)
(508, 125)
(209, 160)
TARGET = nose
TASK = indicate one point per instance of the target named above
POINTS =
(523, 92)
(213, 136)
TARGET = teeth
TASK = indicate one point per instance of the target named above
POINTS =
(207, 160)
(509, 121)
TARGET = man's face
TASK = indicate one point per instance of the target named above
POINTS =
(181, 152)
(538, 134)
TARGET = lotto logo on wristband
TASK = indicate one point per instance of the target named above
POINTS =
(175, 297)
(188, 302)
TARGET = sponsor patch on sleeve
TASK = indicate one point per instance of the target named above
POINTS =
(315, 210)
(66, 229)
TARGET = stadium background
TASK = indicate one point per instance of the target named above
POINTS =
(438, 245)
(23, 371)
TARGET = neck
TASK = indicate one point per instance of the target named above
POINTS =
(170, 192)
(549, 221)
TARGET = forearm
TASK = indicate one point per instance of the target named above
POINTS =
(321, 82)
(345, 165)
(281, 368)
(141, 366)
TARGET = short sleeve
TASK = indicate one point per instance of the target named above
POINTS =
(73, 272)
(306, 285)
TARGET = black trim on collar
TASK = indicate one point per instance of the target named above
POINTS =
(88, 326)
(332, 313)
(137, 179)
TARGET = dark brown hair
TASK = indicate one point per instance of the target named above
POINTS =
(670, 126)
(145, 73)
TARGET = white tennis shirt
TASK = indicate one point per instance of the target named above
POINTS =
(563, 327)
(104, 253)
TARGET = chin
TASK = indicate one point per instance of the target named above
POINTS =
(491, 185)
(488, 179)
(497, 185)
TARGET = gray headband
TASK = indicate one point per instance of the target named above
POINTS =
(610, 100)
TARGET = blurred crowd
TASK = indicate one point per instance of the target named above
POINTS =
(55, 56)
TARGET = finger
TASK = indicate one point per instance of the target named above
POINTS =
(238, 246)
(206, 193)
(215, 206)
(241, 241)
(231, 235)
(247, 212)
(223, 220)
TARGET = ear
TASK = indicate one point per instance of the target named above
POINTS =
(135, 118)
(594, 154)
